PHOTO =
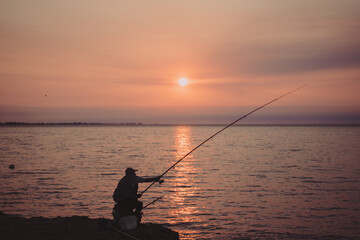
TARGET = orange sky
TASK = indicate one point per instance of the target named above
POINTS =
(119, 61)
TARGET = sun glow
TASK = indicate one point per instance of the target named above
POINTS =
(183, 82)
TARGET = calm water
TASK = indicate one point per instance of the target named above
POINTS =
(263, 182)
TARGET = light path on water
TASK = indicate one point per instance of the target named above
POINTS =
(277, 181)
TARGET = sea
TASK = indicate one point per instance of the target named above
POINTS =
(248, 182)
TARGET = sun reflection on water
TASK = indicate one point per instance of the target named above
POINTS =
(184, 209)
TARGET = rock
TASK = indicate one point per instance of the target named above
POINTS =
(150, 231)
(76, 228)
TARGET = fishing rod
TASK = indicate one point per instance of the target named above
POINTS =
(237, 120)
(153, 202)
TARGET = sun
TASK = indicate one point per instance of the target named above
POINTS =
(183, 82)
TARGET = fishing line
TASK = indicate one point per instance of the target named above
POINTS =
(237, 120)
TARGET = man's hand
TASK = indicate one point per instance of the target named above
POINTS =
(139, 195)
(158, 179)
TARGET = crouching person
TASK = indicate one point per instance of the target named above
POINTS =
(126, 196)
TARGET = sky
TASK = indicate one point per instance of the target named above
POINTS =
(116, 61)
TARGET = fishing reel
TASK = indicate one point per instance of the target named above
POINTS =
(161, 181)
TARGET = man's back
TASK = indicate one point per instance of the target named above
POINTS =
(127, 187)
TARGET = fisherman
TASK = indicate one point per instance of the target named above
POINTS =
(126, 196)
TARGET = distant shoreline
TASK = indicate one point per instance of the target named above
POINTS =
(126, 124)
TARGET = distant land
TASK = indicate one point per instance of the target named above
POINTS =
(70, 124)
(156, 124)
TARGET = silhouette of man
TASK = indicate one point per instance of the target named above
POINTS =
(126, 196)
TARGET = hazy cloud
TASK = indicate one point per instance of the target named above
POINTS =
(119, 60)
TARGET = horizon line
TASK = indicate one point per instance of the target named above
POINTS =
(129, 124)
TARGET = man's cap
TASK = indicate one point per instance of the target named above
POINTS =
(130, 171)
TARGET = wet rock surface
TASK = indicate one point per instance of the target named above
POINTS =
(76, 227)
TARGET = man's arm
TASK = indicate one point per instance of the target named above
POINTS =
(154, 179)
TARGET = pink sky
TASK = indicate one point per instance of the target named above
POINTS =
(119, 61)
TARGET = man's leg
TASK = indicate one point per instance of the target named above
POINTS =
(124, 207)
(138, 209)
(115, 214)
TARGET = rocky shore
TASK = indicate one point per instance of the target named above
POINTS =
(76, 228)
